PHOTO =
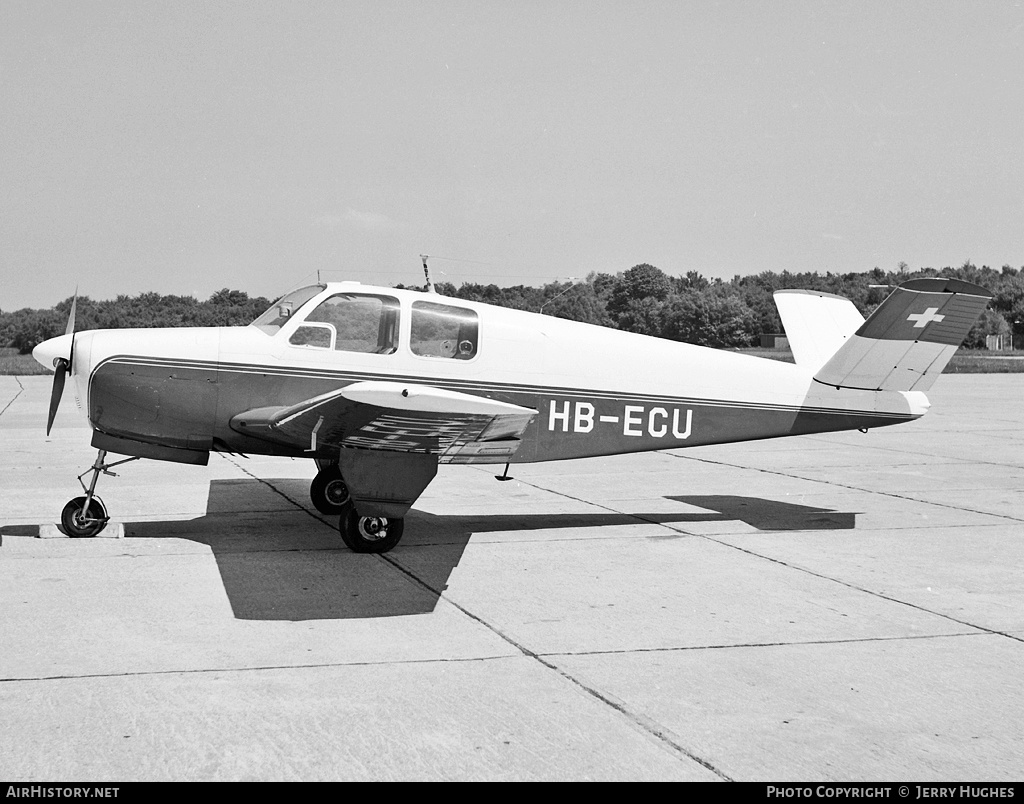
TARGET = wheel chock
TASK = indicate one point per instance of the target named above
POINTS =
(113, 530)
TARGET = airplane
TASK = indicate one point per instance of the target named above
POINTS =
(378, 386)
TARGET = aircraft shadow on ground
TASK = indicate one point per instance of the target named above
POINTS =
(770, 514)
(278, 562)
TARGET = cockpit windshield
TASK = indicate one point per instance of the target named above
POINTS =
(284, 308)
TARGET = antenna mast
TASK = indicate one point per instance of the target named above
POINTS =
(426, 273)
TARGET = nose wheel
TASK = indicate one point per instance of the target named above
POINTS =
(370, 534)
(329, 493)
(82, 518)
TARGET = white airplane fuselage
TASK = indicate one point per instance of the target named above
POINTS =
(597, 391)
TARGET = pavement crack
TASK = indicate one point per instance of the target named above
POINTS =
(855, 587)
(891, 450)
(275, 489)
(254, 668)
(845, 486)
(783, 644)
(780, 562)
(646, 724)
(21, 390)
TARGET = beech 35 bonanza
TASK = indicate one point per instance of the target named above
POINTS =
(378, 386)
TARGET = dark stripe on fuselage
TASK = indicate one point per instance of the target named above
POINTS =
(474, 386)
(188, 403)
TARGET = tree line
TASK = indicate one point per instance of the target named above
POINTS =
(692, 308)
(25, 328)
(735, 313)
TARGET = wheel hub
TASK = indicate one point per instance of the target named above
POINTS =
(373, 528)
(336, 492)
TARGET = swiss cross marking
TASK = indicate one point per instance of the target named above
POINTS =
(925, 318)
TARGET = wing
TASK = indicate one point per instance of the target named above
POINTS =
(399, 417)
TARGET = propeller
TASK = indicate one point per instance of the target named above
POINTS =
(61, 366)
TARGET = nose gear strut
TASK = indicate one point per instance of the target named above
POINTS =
(86, 516)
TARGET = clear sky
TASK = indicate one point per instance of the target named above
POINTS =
(183, 147)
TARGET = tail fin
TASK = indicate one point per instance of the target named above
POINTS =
(907, 341)
(816, 324)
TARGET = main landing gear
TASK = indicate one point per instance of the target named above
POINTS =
(361, 534)
(86, 516)
(370, 534)
(329, 492)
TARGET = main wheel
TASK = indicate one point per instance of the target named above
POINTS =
(370, 534)
(79, 524)
(329, 492)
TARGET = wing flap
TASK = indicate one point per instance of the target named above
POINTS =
(401, 417)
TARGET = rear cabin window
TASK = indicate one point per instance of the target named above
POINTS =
(351, 322)
(443, 330)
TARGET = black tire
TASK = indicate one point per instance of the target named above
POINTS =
(329, 493)
(370, 534)
(78, 526)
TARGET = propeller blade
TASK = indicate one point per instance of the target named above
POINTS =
(71, 331)
(71, 318)
(60, 369)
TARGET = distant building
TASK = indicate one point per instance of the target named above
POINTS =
(774, 340)
(999, 343)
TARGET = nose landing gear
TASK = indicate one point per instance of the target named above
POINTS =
(86, 516)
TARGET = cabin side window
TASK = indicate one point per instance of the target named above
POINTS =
(444, 330)
(351, 322)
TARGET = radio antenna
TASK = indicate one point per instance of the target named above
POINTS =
(426, 273)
